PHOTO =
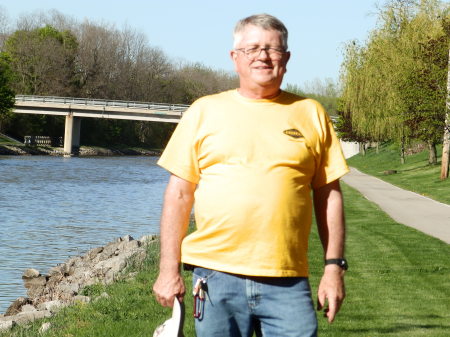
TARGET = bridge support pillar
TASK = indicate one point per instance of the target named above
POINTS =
(72, 136)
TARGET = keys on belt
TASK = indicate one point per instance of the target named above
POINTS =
(199, 293)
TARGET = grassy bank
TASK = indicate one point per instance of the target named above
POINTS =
(415, 175)
(398, 285)
(5, 140)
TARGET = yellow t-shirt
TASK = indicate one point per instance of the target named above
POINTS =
(255, 162)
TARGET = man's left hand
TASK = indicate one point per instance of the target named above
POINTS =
(331, 289)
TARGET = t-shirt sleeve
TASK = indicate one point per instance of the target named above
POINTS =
(331, 162)
(180, 155)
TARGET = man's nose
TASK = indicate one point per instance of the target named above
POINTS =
(263, 54)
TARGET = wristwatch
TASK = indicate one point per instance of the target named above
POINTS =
(340, 262)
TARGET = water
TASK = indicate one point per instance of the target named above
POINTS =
(52, 208)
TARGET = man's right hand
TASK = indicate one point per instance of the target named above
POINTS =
(167, 287)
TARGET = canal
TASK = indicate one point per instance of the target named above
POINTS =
(52, 208)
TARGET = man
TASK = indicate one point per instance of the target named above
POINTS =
(250, 157)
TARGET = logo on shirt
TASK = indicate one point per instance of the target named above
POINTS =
(294, 133)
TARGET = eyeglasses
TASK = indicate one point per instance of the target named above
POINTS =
(253, 53)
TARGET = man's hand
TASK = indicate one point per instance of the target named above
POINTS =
(167, 287)
(331, 289)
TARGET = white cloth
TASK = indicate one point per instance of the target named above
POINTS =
(171, 327)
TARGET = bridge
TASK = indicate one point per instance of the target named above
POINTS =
(76, 108)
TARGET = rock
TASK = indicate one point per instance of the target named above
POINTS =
(140, 256)
(55, 271)
(39, 281)
(27, 317)
(35, 291)
(6, 325)
(146, 239)
(52, 306)
(28, 308)
(53, 281)
(94, 252)
(31, 273)
(126, 238)
(115, 264)
(45, 327)
(109, 250)
(131, 246)
(104, 295)
(69, 288)
(101, 296)
(16, 306)
(48, 293)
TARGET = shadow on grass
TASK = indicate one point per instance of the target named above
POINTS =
(423, 322)
(415, 168)
(401, 328)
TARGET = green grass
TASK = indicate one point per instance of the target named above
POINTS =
(398, 284)
(4, 141)
(415, 175)
(130, 309)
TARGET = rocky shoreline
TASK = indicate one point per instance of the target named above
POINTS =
(85, 151)
(63, 285)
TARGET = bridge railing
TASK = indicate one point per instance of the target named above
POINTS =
(44, 140)
(103, 102)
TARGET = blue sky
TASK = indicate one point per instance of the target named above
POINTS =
(201, 31)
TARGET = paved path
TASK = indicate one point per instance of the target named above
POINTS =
(405, 207)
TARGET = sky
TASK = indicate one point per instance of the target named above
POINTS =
(201, 31)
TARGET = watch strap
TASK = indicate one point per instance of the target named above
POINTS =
(340, 262)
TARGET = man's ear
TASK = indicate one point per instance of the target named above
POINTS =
(233, 56)
(288, 56)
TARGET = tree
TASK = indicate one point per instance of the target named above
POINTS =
(42, 60)
(54, 55)
(324, 91)
(7, 97)
(394, 86)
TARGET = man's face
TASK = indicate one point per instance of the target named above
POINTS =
(260, 73)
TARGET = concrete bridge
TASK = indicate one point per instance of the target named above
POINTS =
(76, 108)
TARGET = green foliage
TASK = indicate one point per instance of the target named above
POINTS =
(325, 92)
(394, 86)
(6, 93)
(345, 131)
(42, 59)
(94, 290)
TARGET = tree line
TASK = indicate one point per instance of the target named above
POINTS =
(395, 85)
(55, 55)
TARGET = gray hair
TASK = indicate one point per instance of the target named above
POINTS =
(264, 21)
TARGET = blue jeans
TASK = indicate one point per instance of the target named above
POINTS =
(238, 306)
